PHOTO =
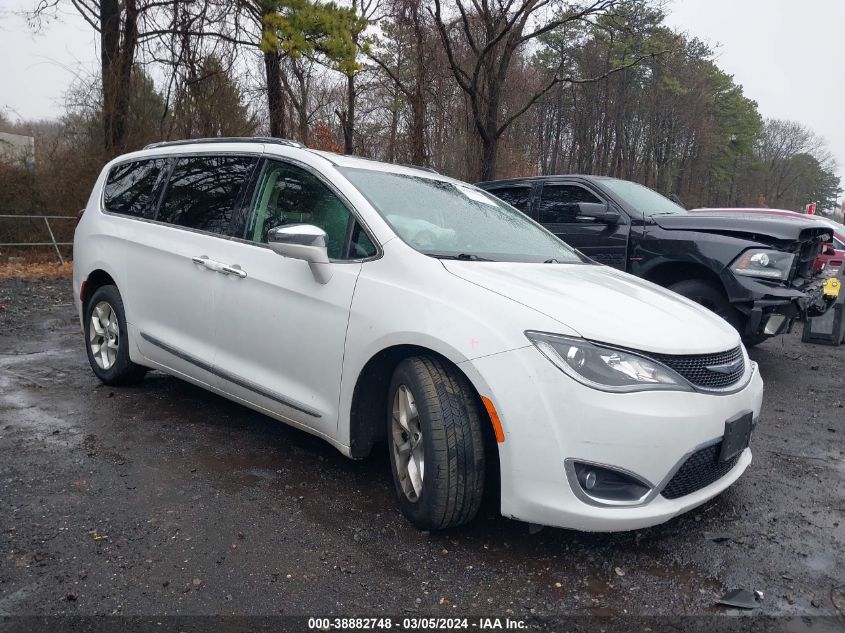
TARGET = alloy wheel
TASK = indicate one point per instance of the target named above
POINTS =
(408, 449)
(104, 335)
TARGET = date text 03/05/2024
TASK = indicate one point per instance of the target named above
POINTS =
(414, 624)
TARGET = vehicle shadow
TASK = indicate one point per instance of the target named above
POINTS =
(243, 448)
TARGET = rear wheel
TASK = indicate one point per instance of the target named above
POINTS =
(714, 299)
(435, 443)
(106, 338)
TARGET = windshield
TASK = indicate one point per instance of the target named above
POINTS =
(455, 220)
(642, 199)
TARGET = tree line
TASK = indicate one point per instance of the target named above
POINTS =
(476, 89)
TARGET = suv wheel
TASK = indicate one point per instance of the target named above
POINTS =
(106, 337)
(435, 443)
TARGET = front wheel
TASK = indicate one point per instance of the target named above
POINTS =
(713, 298)
(106, 338)
(435, 443)
(750, 340)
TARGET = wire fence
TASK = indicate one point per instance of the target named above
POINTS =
(16, 228)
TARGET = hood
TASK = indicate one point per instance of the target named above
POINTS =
(781, 228)
(605, 305)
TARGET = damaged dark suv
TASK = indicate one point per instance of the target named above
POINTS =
(756, 272)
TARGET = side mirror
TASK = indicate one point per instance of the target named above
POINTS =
(306, 242)
(597, 212)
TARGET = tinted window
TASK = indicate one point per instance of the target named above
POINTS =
(204, 190)
(518, 197)
(362, 245)
(559, 203)
(131, 187)
(290, 195)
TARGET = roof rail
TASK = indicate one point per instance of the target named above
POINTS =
(227, 139)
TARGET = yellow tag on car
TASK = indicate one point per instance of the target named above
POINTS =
(832, 287)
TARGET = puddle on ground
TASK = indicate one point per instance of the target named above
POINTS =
(19, 409)
(10, 359)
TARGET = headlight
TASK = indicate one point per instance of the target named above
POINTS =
(606, 368)
(759, 262)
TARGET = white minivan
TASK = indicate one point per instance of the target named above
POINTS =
(366, 302)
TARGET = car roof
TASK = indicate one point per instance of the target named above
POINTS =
(281, 147)
(263, 140)
(502, 181)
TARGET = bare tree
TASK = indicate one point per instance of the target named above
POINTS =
(125, 28)
(252, 31)
(788, 152)
(409, 16)
(491, 35)
(366, 10)
(118, 25)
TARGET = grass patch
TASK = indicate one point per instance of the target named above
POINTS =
(35, 270)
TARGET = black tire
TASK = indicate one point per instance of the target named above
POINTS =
(122, 371)
(712, 297)
(449, 417)
(750, 340)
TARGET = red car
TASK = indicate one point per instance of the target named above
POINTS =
(832, 257)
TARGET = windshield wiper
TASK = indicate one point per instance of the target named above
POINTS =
(466, 257)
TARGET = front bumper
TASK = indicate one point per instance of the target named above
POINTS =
(771, 308)
(548, 418)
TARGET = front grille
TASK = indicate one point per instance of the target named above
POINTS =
(701, 469)
(693, 367)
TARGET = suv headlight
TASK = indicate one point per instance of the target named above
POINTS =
(759, 262)
(606, 368)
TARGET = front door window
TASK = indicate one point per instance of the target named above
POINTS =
(559, 204)
(288, 194)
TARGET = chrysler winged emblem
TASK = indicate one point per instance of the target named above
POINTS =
(726, 368)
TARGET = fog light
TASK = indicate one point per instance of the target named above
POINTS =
(606, 485)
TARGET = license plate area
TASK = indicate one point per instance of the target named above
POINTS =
(737, 436)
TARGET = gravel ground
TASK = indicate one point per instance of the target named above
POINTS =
(162, 499)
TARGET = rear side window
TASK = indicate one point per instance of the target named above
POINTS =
(204, 191)
(559, 203)
(518, 197)
(131, 187)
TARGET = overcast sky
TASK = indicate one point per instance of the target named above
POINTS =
(788, 55)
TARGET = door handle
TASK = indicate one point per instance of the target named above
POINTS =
(207, 262)
(219, 267)
(237, 271)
